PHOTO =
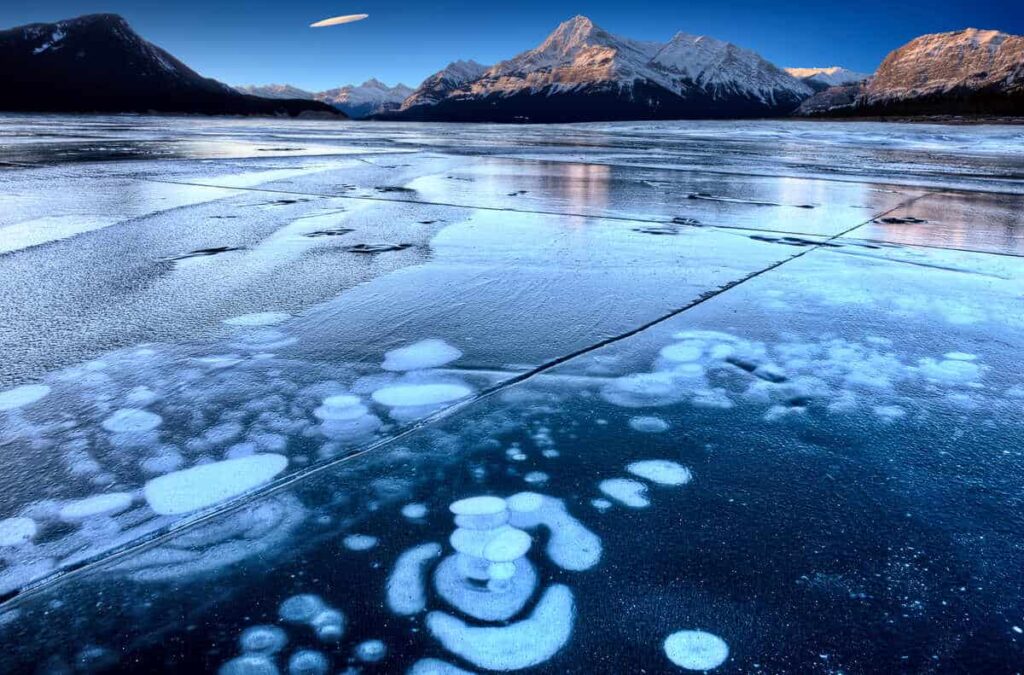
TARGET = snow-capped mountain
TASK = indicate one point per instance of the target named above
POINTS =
(98, 63)
(276, 91)
(823, 78)
(444, 83)
(969, 71)
(582, 72)
(370, 98)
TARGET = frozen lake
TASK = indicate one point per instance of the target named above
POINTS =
(310, 397)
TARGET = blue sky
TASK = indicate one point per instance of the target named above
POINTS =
(243, 42)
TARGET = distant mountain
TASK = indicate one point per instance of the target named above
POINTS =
(97, 63)
(276, 91)
(823, 78)
(583, 73)
(370, 98)
(966, 72)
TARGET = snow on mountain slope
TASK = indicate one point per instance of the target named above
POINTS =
(723, 69)
(832, 76)
(965, 72)
(369, 98)
(619, 78)
(276, 91)
(442, 84)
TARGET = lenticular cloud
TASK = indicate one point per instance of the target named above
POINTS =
(338, 20)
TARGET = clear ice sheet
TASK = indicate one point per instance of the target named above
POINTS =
(827, 440)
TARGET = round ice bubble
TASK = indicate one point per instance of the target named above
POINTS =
(250, 664)
(415, 395)
(536, 477)
(371, 651)
(626, 491)
(478, 506)
(661, 471)
(696, 650)
(511, 544)
(683, 352)
(258, 319)
(308, 662)
(300, 608)
(202, 486)
(525, 502)
(17, 531)
(414, 511)
(359, 542)
(19, 397)
(263, 640)
(131, 421)
(648, 424)
(421, 355)
(97, 505)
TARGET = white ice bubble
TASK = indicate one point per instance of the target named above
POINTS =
(626, 491)
(414, 511)
(683, 352)
(329, 625)
(359, 542)
(525, 502)
(536, 477)
(515, 646)
(960, 356)
(301, 608)
(648, 425)
(263, 640)
(601, 504)
(435, 667)
(419, 395)
(131, 421)
(570, 545)
(203, 486)
(97, 505)
(406, 592)
(643, 389)
(473, 542)
(478, 506)
(696, 650)
(950, 370)
(308, 662)
(22, 396)
(511, 544)
(17, 531)
(421, 355)
(250, 664)
(371, 651)
(465, 593)
(258, 319)
(661, 471)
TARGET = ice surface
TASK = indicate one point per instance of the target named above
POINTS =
(203, 486)
(696, 650)
(419, 355)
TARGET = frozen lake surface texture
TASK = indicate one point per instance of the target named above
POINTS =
(315, 397)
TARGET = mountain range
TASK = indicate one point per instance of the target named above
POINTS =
(372, 97)
(580, 72)
(97, 63)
